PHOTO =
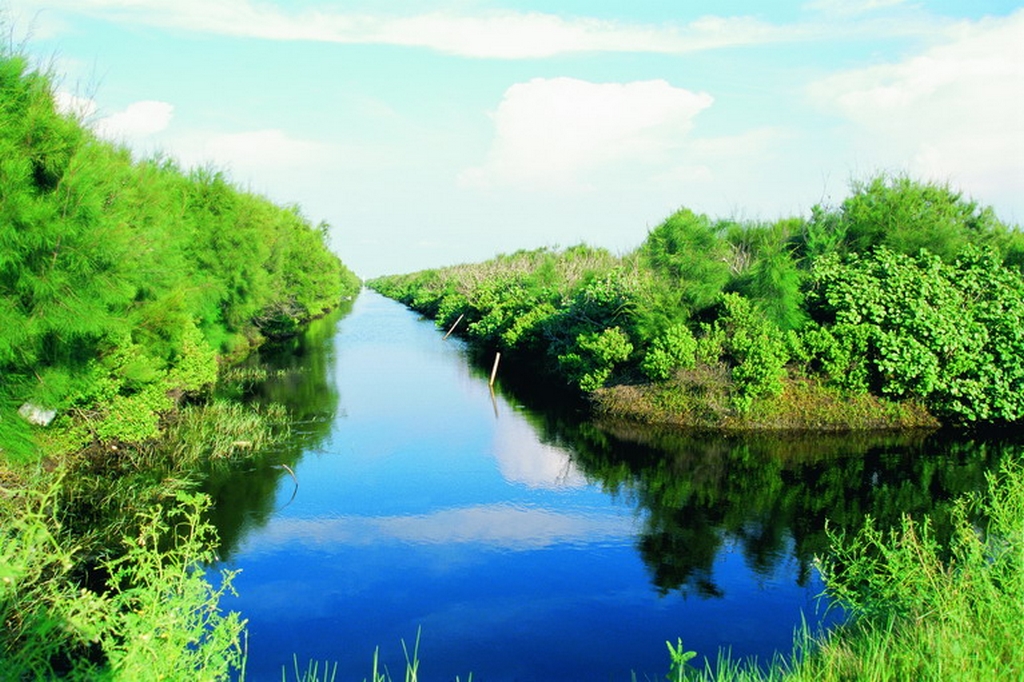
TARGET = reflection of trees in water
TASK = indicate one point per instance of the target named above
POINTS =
(300, 376)
(770, 496)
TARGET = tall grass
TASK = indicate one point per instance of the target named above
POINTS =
(919, 610)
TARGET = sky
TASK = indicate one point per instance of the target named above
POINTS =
(430, 133)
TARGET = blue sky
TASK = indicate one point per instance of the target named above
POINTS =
(431, 133)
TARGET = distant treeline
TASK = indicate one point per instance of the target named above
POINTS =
(901, 306)
(123, 281)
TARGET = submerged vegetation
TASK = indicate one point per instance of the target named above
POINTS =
(898, 308)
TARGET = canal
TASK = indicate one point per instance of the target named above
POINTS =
(520, 540)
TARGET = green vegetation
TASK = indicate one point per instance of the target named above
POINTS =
(899, 308)
(920, 609)
(771, 499)
(123, 283)
(154, 616)
(127, 288)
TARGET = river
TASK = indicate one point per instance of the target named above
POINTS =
(521, 541)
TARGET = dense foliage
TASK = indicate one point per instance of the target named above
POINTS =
(906, 293)
(126, 288)
(155, 616)
(122, 282)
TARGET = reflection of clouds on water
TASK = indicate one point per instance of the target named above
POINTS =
(523, 459)
(500, 526)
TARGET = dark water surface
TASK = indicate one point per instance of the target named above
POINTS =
(524, 543)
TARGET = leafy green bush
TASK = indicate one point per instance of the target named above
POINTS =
(754, 347)
(594, 356)
(906, 291)
(675, 349)
(156, 618)
(942, 333)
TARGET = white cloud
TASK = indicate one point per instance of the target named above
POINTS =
(494, 34)
(852, 7)
(555, 133)
(525, 460)
(508, 527)
(261, 149)
(516, 35)
(138, 120)
(952, 113)
(80, 107)
(256, 156)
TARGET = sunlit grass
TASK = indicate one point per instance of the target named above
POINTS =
(919, 610)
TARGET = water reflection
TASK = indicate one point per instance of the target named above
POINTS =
(298, 375)
(528, 542)
(500, 527)
(766, 496)
(523, 458)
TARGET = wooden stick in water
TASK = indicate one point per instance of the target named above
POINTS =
(453, 327)
(494, 370)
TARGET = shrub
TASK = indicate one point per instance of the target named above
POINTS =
(753, 346)
(673, 350)
(688, 254)
(943, 333)
(594, 356)
(158, 617)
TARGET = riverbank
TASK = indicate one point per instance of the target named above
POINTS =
(701, 401)
(126, 283)
(130, 290)
(864, 316)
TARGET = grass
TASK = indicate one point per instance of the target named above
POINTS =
(224, 430)
(379, 673)
(702, 398)
(919, 610)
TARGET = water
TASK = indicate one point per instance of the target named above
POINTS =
(523, 542)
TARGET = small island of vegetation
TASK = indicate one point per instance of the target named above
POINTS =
(899, 308)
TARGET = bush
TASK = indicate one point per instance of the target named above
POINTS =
(123, 279)
(157, 618)
(754, 347)
(675, 349)
(687, 253)
(904, 216)
(926, 330)
(594, 356)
